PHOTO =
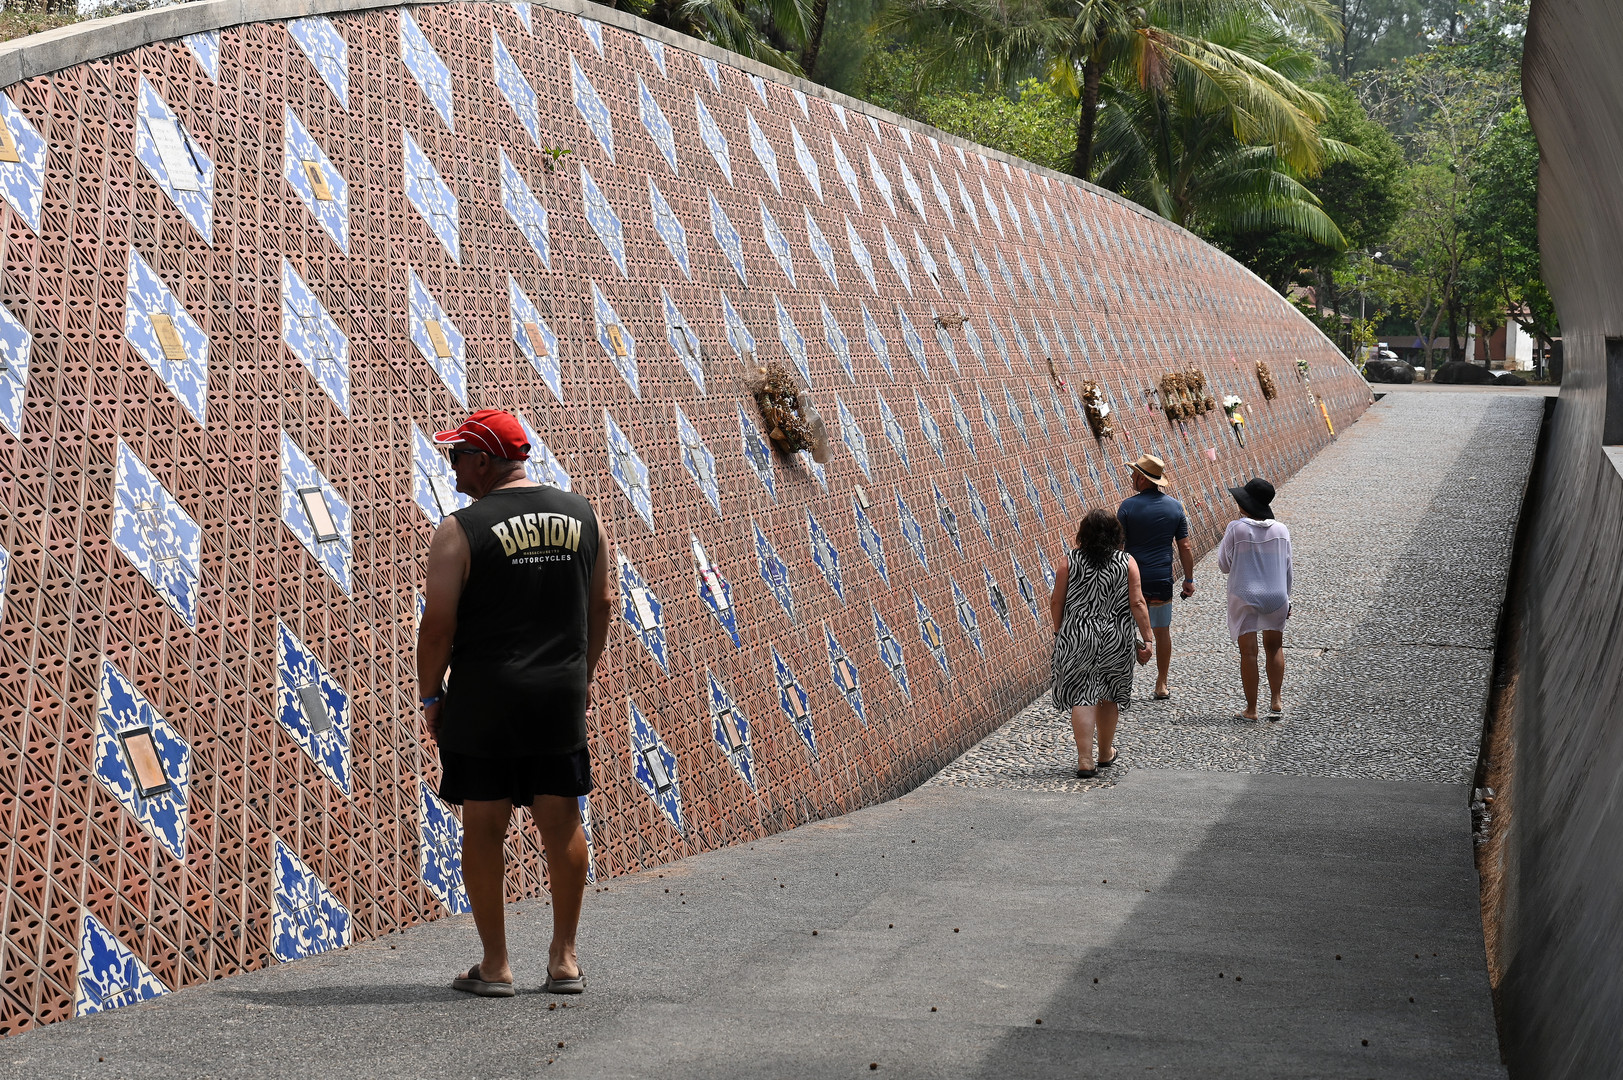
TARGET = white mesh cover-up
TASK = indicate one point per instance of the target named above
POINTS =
(1256, 555)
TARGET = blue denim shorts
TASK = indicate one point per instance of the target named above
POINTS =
(1160, 615)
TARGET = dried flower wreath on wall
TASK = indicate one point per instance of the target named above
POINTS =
(1265, 379)
(1195, 379)
(1097, 410)
(1183, 395)
(787, 412)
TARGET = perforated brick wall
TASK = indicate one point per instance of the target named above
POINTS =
(250, 269)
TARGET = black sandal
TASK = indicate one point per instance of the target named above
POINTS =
(1113, 759)
(1086, 774)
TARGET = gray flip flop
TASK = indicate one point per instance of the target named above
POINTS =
(473, 984)
(554, 985)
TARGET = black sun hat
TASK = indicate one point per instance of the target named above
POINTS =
(1255, 498)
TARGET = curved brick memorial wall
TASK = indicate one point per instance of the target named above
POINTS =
(249, 266)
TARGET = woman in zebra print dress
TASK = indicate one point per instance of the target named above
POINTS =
(1095, 604)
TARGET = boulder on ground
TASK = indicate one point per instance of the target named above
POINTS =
(1388, 371)
(1462, 373)
(1510, 378)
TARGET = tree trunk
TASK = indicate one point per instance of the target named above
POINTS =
(1455, 350)
(1082, 159)
(814, 39)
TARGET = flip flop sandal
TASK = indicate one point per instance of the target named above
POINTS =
(1244, 719)
(1086, 774)
(1115, 758)
(555, 985)
(1163, 697)
(471, 983)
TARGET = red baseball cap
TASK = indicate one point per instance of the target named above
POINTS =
(494, 431)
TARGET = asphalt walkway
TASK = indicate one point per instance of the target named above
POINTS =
(1247, 900)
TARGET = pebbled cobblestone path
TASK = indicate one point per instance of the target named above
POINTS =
(1402, 534)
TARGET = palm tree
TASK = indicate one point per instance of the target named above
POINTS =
(771, 31)
(1219, 139)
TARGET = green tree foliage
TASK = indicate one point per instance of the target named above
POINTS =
(774, 32)
(1502, 218)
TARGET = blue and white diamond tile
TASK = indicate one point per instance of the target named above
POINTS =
(897, 257)
(659, 128)
(1028, 592)
(1016, 417)
(590, 106)
(990, 419)
(876, 340)
(206, 48)
(890, 653)
(108, 975)
(16, 345)
(999, 602)
(774, 571)
(800, 100)
(910, 184)
(1048, 569)
(836, 338)
(669, 228)
(327, 50)
(535, 340)
(1076, 483)
(642, 611)
(825, 555)
(433, 484)
(968, 203)
(437, 338)
(732, 245)
(1020, 337)
(843, 673)
(842, 165)
(439, 864)
(174, 160)
(764, 153)
(22, 182)
(628, 470)
(312, 707)
(730, 728)
(893, 430)
(594, 33)
(859, 252)
(942, 197)
(714, 141)
(615, 339)
(152, 313)
(930, 632)
(757, 454)
(1033, 496)
(928, 425)
(914, 341)
(927, 261)
(711, 69)
(821, 249)
(1006, 274)
(808, 164)
(991, 208)
(156, 534)
(308, 918)
(961, 422)
(525, 210)
(1038, 411)
(759, 85)
(738, 335)
(794, 342)
(542, 465)
(977, 509)
(869, 540)
(697, 458)
(911, 531)
(309, 502)
(873, 125)
(1007, 501)
(313, 337)
(851, 435)
(430, 195)
(1042, 338)
(982, 272)
(426, 67)
(839, 114)
(603, 220)
(683, 340)
(794, 701)
(881, 182)
(125, 718)
(818, 471)
(949, 520)
(715, 592)
(654, 765)
(967, 619)
(1048, 279)
(656, 50)
(777, 244)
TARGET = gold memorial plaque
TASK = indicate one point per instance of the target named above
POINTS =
(168, 336)
(436, 334)
(538, 344)
(617, 340)
(318, 181)
(8, 144)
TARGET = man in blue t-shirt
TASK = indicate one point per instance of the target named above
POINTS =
(1153, 522)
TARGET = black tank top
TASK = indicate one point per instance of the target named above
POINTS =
(518, 661)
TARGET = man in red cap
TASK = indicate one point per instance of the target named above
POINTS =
(517, 605)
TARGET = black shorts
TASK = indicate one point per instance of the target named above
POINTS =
(465, 778)
(1156, 590)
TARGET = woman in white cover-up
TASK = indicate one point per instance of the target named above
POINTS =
(1256, 555)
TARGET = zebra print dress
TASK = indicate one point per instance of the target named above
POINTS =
(1093, 652)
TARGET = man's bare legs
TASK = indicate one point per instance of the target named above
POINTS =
(558, 818)
(1086, 720)
(1163, 654)
(484, 875)
(1274, 645)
